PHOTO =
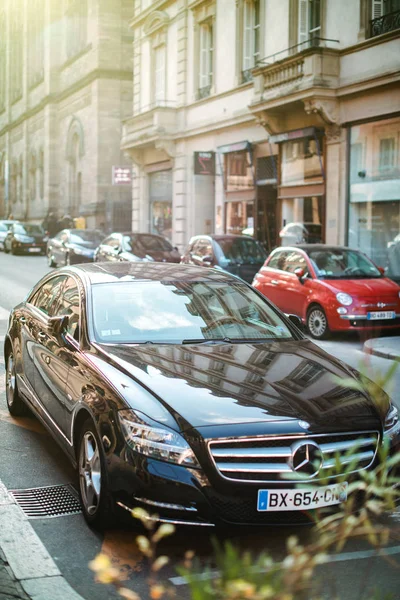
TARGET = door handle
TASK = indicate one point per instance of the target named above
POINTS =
(42, 335)
(274, 282)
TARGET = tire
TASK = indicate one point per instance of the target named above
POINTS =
(96, 500)
(50, 260)
(317, 323)
(16, 406)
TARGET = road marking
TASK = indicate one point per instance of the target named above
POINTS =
(333, 558)
(27, 556)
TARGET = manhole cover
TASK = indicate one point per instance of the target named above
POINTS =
(47, 502)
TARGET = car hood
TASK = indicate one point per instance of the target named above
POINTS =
(381, 286)
(226, 384)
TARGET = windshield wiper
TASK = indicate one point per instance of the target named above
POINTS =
(224, 340)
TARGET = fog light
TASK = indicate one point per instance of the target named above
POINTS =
(342, 310)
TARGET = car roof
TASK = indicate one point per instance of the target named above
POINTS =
(147, 271)
(316, 247)
(221, 236)
(136, 234)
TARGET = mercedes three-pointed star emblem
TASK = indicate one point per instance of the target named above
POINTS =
(306, 458)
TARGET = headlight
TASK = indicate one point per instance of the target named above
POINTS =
(392, 417)
(344, 299)
(154, 441)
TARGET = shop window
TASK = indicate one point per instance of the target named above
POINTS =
(374, 209)
(239, 217)
(357, 169)
(206, 54)
(239, 174)
(302, 161)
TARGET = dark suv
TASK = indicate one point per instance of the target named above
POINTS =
(238, 254)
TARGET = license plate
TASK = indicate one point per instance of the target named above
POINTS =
(385, 314)
(34, 250)
(295, 499)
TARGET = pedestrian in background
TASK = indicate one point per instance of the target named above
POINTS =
(66, 222)
(50, 224)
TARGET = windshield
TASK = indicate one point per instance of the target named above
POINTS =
(83, 236)
(239, 251)
(29, 229)
(176, 312)
(342, 264)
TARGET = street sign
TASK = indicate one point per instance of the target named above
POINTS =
(204, 163)
(121, 175)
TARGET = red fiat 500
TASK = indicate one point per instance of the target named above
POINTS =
(331, 288)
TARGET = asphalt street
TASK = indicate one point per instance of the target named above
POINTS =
(31, 459)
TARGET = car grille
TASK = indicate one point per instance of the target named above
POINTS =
(267, 459)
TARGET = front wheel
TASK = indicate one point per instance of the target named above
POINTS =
(317, 323)
(15, 405)
(94, 494)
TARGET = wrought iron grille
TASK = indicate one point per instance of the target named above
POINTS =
(384, 24)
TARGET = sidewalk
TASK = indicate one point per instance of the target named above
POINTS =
(387, 347)
(9, 587)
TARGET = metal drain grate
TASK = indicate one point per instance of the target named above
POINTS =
(48, 502)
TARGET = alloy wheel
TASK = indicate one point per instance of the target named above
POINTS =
(90, 473)
(10, 381)
(317, 323)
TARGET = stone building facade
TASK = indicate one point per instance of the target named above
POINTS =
(246, 118)
(65, 88)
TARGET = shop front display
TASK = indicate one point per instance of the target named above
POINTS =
(374, 198)
(160, 196)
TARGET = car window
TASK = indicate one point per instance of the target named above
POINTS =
(85, 236)
(46, 297)
(153, 242)
(278, 261)
(242, 250)
(342, 263)
(69, 305)
(173, 311)
(295, 260)
(64, 236)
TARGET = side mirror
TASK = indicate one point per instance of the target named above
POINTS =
(299, 272)
(207, 261)
(295, 320)
(381, 270)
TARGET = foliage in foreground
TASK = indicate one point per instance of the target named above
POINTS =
(241, 575)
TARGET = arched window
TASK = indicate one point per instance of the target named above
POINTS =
(75, 152)
(13, 181)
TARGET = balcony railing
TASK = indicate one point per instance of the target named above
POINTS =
(313, 42)
(384, 24)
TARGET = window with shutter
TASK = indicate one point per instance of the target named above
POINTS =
(247, 35)
(377, 9)
(303, 21)
(206, 58)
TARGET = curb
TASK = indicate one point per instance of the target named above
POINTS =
(30, 563)
(383, 352)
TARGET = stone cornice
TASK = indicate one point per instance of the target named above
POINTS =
(370, 42)
(58, 97)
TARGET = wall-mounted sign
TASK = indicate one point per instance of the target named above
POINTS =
(121, 175)
(204, 163)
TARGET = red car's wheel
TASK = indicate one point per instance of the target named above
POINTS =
(317, 323)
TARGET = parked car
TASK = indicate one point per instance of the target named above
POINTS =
(72, 246)
(24, 238)
(136, 247)
(184, 391)
(299, 233)
(331, 288)
(4, 227)
(237, 254)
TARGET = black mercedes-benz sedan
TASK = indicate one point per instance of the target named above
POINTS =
(184, 391)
